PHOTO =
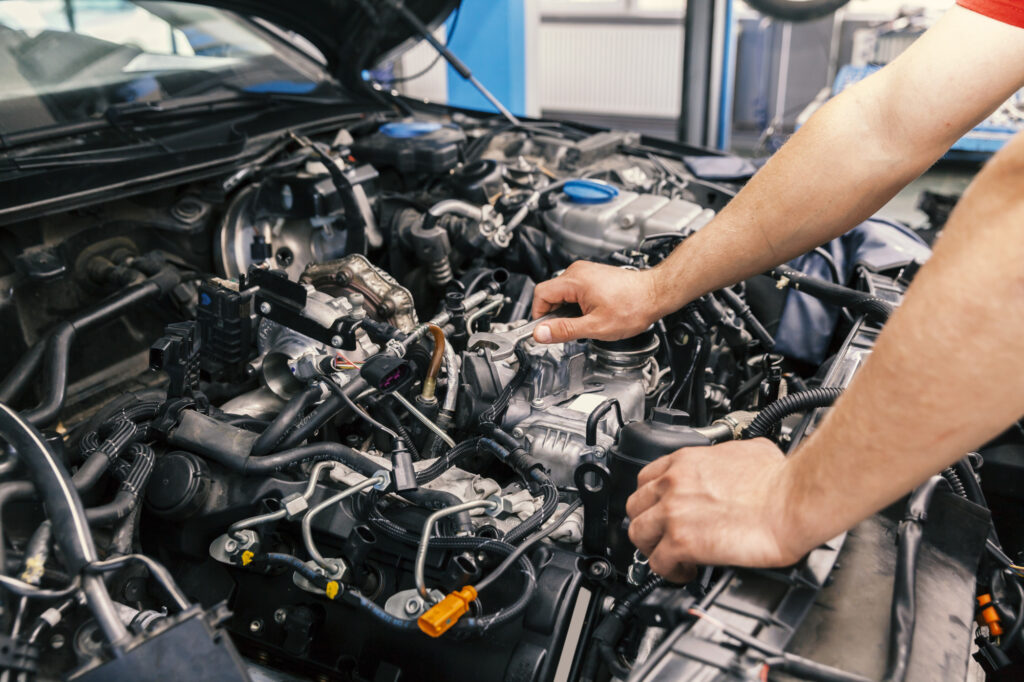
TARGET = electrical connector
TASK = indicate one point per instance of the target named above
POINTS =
(443, 615)
(987, 615)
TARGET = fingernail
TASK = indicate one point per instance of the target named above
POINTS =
(542, 333)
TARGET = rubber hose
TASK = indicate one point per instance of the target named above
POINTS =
(58, 352)
(64, 508)
(289, 415)
(856, 301)
(57, 345)
(790, 404)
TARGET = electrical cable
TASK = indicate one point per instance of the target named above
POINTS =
(337, 390)
(527, 544)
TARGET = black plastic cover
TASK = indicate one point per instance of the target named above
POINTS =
(433, 152)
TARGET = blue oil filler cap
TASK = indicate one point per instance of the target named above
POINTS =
(405, 129)
(589, 191)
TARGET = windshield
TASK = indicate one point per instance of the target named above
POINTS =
(64, 61)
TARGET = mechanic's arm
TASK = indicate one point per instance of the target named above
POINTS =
(946, 375)
(846, 162)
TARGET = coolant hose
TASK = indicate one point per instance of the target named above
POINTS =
(65, 511)
(287, 418)
(774, 413)
(56, 346)
(859, 302)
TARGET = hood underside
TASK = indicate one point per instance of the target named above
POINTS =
(352, 34)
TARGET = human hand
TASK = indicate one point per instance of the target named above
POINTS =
(721, 505)
(616, 303)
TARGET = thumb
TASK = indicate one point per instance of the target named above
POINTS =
(565, 329)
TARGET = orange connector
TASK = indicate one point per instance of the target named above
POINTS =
(988, 615)
(440, 617)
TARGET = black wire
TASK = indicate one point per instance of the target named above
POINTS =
(527, 544)
(447, 42)
(370, 420)
(1008, 639)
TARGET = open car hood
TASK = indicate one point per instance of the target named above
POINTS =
(352, 34)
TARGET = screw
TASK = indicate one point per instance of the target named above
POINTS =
(518, 432)
(57, 642)
(256, 625)
(412, 607)
(336, 341)
(265, 308)
(280, 616)
(230, 546)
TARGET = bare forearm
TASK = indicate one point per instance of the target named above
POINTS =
(947, 373)
(802, 198)
(852, 156)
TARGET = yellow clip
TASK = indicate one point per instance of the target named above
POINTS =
(446, 613)
(247, 556)
(332, 589)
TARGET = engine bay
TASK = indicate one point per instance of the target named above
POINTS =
(301, 404)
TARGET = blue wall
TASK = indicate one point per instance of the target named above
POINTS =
(490, 39)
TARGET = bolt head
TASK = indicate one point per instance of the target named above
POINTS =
(336, 341)
(518, 432)
(280, 616)
(230, 546)
(265, 308)
(256, 625)
(412, 607)
(57, 642)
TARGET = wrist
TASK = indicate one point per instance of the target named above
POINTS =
(668, 292)
(799, 511)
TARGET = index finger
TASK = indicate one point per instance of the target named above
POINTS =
(653, 470)
(550, 294)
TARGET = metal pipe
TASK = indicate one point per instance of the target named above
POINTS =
(260, 519)
(451, 370)
(442, 318)
(334, 570)
(483, 310)
(428, 526)
(424, 419)
(430, 382)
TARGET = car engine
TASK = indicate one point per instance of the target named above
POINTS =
(300, 404)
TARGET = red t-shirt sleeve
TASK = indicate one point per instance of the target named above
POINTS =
(1007, 11)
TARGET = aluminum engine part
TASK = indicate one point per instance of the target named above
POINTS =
(280, 349)
(598, 229)
(384, 297)
(567, 382)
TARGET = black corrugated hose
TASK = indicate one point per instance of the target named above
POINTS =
(774, 413)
